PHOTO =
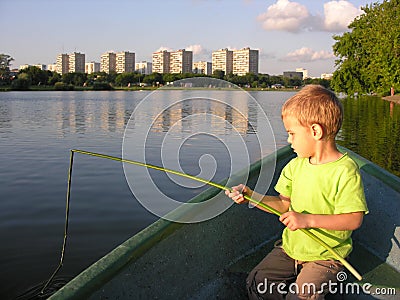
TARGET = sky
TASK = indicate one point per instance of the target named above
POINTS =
(289, 34)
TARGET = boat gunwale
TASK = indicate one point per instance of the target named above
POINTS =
(101, 271)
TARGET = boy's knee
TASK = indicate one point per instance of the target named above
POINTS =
(258, 287)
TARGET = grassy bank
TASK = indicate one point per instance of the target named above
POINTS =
(395, 98)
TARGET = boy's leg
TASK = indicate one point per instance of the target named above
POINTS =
(269, 279)
(315, 279)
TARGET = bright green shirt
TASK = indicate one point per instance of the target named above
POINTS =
(331, 188)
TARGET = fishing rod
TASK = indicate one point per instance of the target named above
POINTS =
(219, 186)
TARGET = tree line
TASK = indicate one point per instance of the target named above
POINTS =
(33, 76)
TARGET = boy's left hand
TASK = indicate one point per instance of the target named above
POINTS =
(294, 220)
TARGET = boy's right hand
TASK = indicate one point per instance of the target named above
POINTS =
(237, 192)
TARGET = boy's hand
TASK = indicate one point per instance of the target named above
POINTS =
(294, 220)
(237, 193)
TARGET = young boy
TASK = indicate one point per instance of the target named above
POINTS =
(320, 189)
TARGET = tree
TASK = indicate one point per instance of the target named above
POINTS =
(36, 75)
(77, 79)
(124, 79)
(369, 54)
(153, 79)
(5, 62)
(22, 83)
(219, 74)
(324, 82)
(53, 78)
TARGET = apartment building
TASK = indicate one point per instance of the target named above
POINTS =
(160, 61)
(62, 63)
(245, 61)
(108, 62)
(92, 67)
(222, 60)
(39, 66)
(293, 75)
(144, 67)
(52, 67)
(181, 61)
(125, 62)
(202, 67)
(326, 76)
(304, 71)
(76, 62)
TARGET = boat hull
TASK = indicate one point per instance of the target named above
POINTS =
(210, 259)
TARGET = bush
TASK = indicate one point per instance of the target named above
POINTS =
(21, 84)
(102, 86)
(61, 86)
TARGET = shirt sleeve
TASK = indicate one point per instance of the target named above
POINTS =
(284, 184)
(350, 195)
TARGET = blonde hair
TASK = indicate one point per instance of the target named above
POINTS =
(315, 104)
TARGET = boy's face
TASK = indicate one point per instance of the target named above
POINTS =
(300, 137)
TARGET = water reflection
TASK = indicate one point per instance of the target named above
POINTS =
(81, 116)
(371, 128)
(5, 116)
(177, 115)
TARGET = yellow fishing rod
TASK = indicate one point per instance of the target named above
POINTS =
(219, 186)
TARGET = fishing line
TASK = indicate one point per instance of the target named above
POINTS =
(219, 186)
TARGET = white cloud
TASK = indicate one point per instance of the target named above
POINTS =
(196, 49)
(199, 52)
(339, 14)
(307, 55)
(162, 48)
(286, 15)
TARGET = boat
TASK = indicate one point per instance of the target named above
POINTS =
(211, 259)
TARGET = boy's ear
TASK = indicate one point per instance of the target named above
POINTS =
(317, 131)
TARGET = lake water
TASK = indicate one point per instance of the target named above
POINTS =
(198, 135)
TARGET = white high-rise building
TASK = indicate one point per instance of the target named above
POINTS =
(62, 64)
(108, 62)
(222, 60)
(181, 61)
(245, 61)
(160, 61)
(125, 62)
(76, 62)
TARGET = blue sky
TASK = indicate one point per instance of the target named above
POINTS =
(289, 33)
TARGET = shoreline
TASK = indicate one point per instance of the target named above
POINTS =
(395, 98)
(133, 89)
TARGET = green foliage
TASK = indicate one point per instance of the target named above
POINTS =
(102, 86)
(77, 79)
(369, 55)
(36, 75)
(5, 62)
(22, 83)
(53, 78)
(219, 74)
(61, 86)
(125, 79)
(324, 82)
(153, 79)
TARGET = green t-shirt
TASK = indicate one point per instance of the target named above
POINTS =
(331, 188)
